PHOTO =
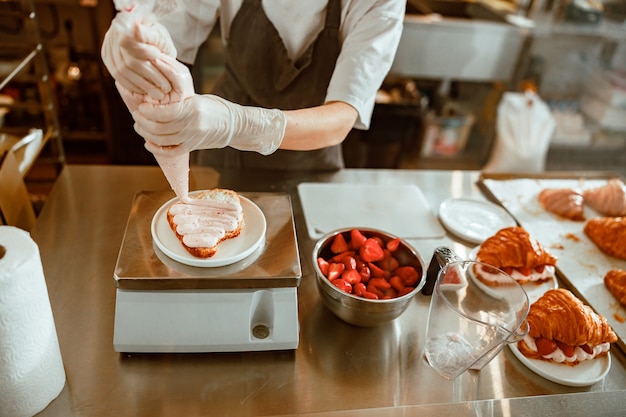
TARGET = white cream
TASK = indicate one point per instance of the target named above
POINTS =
(579, 353)
(547, 273)
(206, 224)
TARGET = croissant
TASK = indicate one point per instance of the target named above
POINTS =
(559, 315)
(609, 199)
(514, 247)
(615, 282)
(608, 234)
(564, 202)
(564, 330)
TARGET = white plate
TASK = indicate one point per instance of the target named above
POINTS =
(584, 374)
(473, 220)
(229, 251)
(401, 210)
(533, 290)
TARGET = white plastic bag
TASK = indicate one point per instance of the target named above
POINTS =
(523, 131)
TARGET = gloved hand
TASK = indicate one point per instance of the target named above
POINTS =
(128, 50)
(206, 121)
(176, 73)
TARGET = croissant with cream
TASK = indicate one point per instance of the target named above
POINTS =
(564, 202)
(615, 282)
(565, 330)
(608, 234)
(514, 251)
(609, 199)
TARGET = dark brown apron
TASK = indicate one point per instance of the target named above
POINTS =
(259, 72)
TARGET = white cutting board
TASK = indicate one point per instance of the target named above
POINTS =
(401, 210)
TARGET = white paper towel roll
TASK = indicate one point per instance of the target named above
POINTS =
(31, 367)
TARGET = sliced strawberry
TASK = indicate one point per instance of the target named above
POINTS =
(335, 270)
(349, 262)
(374, 290)
(396, 283)
(371, 251)
(406, 290)
(540, 268)
(388, 263)
(342, 285)
(370, 295)
(451, 277)
(339, 244)
(408, 275)
(365, 274)
(356, 239)
(587, 348)
(545, 346)
(323, 265)
(390, 293)
(507, 269)
(359, 289)
(525, 270)
(380, 283)
(376, 271)
(341, 255)
(393, 244)
(568, 350)
(351, 276)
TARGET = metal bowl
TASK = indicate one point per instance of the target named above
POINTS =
(357, 310)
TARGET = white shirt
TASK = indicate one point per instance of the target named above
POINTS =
(369, 34)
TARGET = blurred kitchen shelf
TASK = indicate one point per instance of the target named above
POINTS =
(24, 61)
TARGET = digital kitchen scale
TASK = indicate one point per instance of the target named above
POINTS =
(165, 305)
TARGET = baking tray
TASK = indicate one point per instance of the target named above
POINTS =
(581, 266)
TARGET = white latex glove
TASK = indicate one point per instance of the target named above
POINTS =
(206, 121)
(128, 50)
(178, 76)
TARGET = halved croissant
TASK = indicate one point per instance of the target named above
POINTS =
(609, 199)
(615, 282)
(564, 202)
(609, 235)
(559, 315)
(514, 247)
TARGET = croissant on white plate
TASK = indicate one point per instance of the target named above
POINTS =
(608, 199)
(514, 251)
(565, 330)
(564, 202)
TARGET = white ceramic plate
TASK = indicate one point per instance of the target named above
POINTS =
(228, 252)
(473, 220)
(584, 374)
(533, 290)
(399, 209)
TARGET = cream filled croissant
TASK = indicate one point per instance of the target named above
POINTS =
(515, 252)
(564, 330)
(206, 220)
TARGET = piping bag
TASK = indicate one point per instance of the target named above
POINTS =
(131, 12)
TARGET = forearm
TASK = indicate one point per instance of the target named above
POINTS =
(318, 127)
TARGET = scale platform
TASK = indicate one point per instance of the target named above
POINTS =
(163, 305)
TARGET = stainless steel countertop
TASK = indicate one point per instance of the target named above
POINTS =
(338, 369)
